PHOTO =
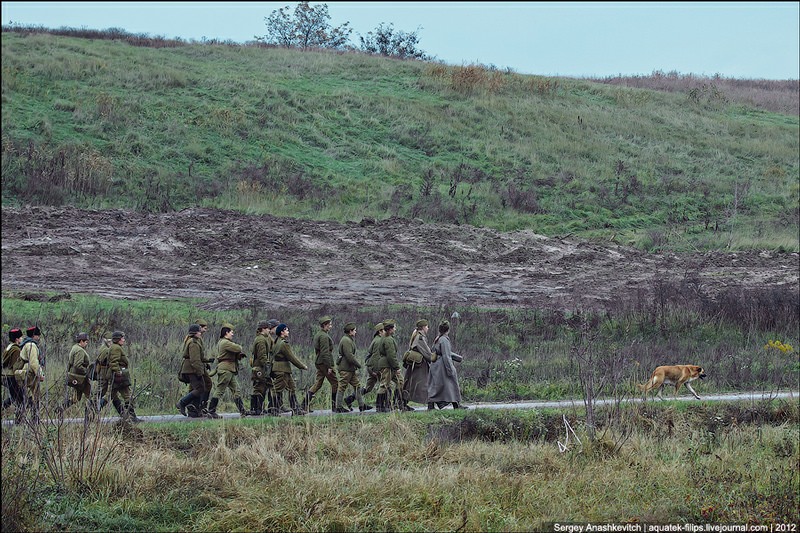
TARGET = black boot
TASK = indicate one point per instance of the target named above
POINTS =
(131, 413)
(212, 408)
(117, 403)
(306, 402)
(382, 405)
(272, 407)
(441, 405)
(240, 406)
(183, 402)
(337, 404)
(349, 400)
(296, 410)
(431, 406)
(255, 405)
(457, 406)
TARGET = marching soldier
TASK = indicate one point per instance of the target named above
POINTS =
(228, 355)
(323, 348)
(194, 372)
(388, 366)
(284, 357)
(12, 362)
(373, 376)
(348, 367)
(262, 368)
(119, 368)
(207, 383)
(77, 368)
(31, 371)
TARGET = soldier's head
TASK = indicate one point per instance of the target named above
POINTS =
(33, 332)
(226, 332)
(203, 325)
(422, 325)
(378, 329)
(273, 323)
(326, 323)
(15, 335)
(195, 330)
(82, 338)
(389, 327)
(282, 330)
(118, 337)
(350, 328)
(444, 327)
(262, 327)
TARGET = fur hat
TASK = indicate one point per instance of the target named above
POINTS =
(14, 334)
(33, 330)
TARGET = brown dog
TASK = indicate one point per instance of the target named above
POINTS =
(673, 375)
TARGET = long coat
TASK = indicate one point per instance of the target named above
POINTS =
(442, 375)
(416, 379)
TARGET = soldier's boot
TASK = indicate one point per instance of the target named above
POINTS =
(348, 400)
(306, 402)
(441, 405)
(396, 401)
(456, 405)
(131, 413)
(381, 403)
(431, 407)
(212, 408)
(361, 405)
(404, 404)
(296, 409)
(272, 408)
(240, 406)
(255, 409)
(183, 403)
(337, 406)
(117, 403)
(282, 406)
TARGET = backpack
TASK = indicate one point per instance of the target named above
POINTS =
(11, 356)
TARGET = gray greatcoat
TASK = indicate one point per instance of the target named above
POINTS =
(416, 379)
(442, 375)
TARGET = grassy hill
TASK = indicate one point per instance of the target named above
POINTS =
(101, 123)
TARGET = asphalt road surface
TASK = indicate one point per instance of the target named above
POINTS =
(739, 396)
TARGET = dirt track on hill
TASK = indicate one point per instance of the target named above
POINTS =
(236, 260)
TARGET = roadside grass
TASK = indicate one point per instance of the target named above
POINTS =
(98, 123)
(475, 471)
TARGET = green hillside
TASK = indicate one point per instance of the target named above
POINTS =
(321, 135)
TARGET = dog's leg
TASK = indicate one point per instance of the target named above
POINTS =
(691, 389)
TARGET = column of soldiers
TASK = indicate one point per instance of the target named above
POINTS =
(271, 362)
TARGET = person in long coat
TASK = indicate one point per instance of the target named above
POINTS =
(442, 376)
(416, 382)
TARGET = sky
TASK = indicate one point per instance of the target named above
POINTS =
(755, 40)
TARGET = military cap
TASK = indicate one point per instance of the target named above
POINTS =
(117, 335)
(15, 334)
(350, 326)
(379, 326)
(280, 328)
(422, 323)
(389, 323)
(81, 337)
(194, 328)
(33, 330)
(444, 323)
(228, 325)
(202, 323)
(324, 320)
(263, 324)
(273, 323)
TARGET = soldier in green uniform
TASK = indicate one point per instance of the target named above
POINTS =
(207, 383)
(372, 375)
(262, 367)
(12, 362)
(77, 368)
(388, 366)
(284, 357)
(348, 367)
(323, 348)
(103, 372)
(119, 368)
(194, 372)
(228, 355)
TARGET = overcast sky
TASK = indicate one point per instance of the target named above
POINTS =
(733, 39)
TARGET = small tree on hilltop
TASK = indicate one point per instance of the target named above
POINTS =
(308, 27)
(389, 42)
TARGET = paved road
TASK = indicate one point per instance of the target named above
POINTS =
(740, 396)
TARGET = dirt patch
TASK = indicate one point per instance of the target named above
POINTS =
(234, 260)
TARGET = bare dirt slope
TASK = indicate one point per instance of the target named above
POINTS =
(235, 260)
